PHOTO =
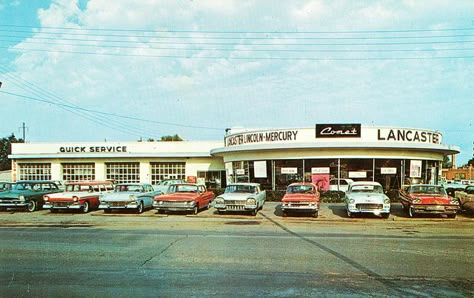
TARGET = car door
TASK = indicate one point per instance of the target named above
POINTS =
(206, 196)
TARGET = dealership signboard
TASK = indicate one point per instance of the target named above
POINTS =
(338, 130)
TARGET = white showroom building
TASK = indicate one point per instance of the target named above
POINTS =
(273, 157)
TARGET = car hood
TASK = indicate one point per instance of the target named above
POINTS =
(120, 196)
(70, 195)
(299, 197)
(431, 199)
(367, 197)
(237, 196)
(9, 194)
(183, 196)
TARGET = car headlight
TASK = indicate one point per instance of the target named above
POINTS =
(351, 201)
(386, 201)
(454, 202)
(219, 200)
(21, 197)
(416, 201)
(160, 202)
(75, 199)
(131, 197)
(190, 203)
(45, 198)
(251, 201)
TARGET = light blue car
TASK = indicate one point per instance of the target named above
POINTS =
(134, 196)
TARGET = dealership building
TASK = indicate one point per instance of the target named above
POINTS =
(273, 157)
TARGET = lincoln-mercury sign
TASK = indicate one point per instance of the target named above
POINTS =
(259, 137)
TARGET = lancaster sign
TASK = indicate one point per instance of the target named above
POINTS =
(338, 130)
(261, 137)
(408, 135)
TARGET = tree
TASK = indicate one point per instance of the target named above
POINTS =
(174, 138)
(5, 150)
(447, 162)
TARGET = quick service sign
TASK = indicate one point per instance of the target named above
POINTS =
(92, 149)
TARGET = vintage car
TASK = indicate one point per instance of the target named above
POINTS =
(135, 196)
(367, 197)
(27, 194)
(339, 184)
(241, 197)
(428, 199)
(301, 197)
(466, 198)
(163, 185)
(82, 196)
(184, 197)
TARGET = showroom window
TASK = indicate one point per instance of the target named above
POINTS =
(34, 171)
(167, 170)
(78, 171)
(123, 172)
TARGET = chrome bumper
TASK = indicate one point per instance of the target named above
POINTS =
(367, 209)
(299, 207)
(112, 206)
(62, 206)
(14, 204)
(435, 209)
(224, 207)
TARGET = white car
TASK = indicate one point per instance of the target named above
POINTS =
(342, 184)
(163, 185)
(367, 197)
(135, 196)
(243, 197)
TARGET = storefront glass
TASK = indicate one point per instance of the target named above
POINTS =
(123, 172)
(167, 170)
(34, 171)
(78, 171)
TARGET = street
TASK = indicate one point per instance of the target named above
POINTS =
(73, 254)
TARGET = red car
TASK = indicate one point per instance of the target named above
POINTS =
(301, 197)
(428, 199)
(184, 197)
(82, 196)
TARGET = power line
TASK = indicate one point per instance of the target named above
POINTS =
(104, 121)
(244, 58)
(240, 32)
(110, 114)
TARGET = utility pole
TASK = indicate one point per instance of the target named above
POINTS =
(23, 128)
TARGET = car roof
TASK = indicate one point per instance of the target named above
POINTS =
(302, 183)
(426, 185)
(365, 183)
(244, 183)
(130, 183)
(90, 182)
(34, 181)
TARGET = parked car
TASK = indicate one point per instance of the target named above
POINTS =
(184, 197)
(342, 184)
(82, 196)
(163, 185)
(367, 197)
(27, 194)
(242, 197)
(428, 199)
(301, 197)
(466, 198)
(137, 196)
(452, 187)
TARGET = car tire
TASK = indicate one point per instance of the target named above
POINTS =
(107, 210)
(452, 215)
(254, 212)
(411, 212)
(285, 213)
(86, 207)
(32, 206)
(140, 208)
(316, 214)
(196, 209)
(385, 215)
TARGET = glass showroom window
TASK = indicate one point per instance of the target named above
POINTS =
(78, 171)
(123, 172)
(241, 171)
(167, 170)
(34, 171)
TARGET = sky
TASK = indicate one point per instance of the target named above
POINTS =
(96, 70)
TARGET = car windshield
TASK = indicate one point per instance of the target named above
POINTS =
(300, 188)
(367, 188)
(427, 189)
(5, 186)
(128, 188)
(183, 188)
(240, 189)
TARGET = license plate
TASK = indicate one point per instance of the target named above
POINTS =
(435, 208)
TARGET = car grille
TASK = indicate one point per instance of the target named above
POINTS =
(236, 203)
(298, 204)
(61, 204)
(173, 204)
(235, 207)
(369, 206)
(117, 204)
